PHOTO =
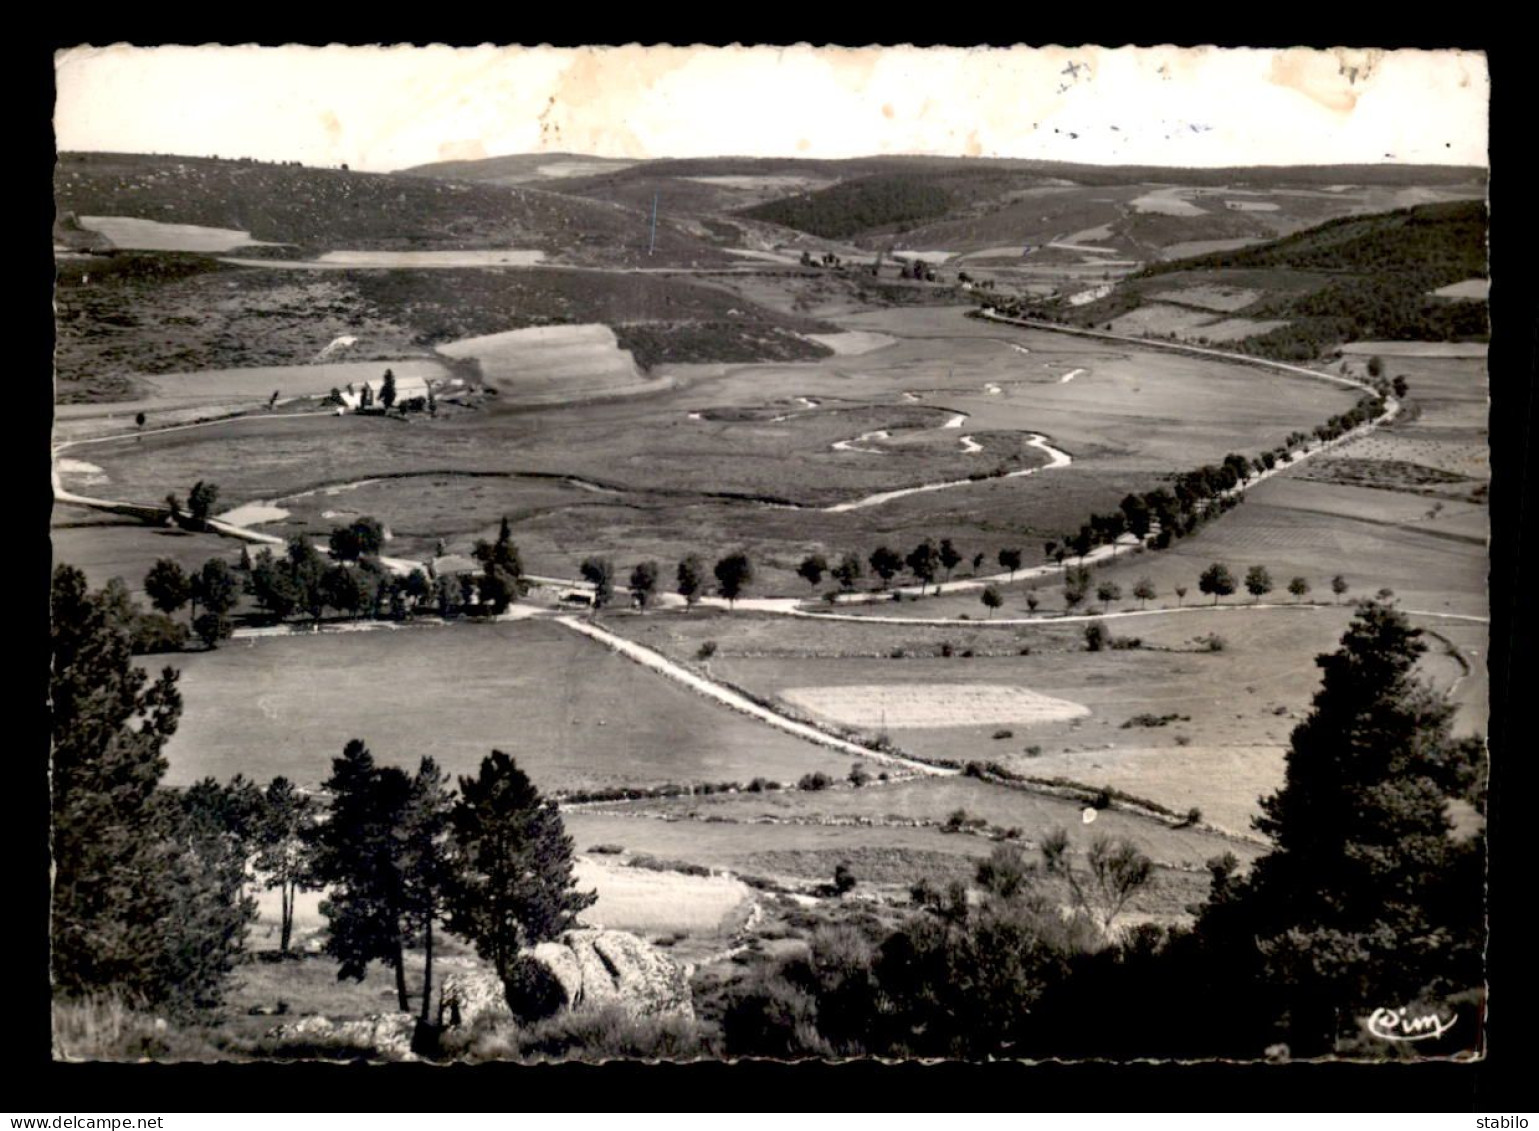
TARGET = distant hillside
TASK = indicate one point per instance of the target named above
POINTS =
(964, 204)
(134, 314)
(518, 168)
(1358, 277)
(1438, 239)
(328, 209)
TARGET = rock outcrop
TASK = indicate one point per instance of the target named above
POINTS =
(598, 968)
(469, 995)
(584, 969)
(380, 1036)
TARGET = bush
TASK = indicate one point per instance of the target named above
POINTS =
(1126, 643)
(1033, 751)
(844, 879)
(607, 849)
(1183, 740)
(946, 648)
(859, 775)
(1102, 799)
(1212, 642)
(532, 991)
(815, 781)
(156, 632)
(1095, 636)
(1149, 720)
(1004, 733)
(707, 650)
(608, 1033)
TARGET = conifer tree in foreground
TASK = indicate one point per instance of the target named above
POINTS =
(1370, 898)
(144, 905)
(513, 868)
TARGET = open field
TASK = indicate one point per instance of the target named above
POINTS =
(404, 260)
(553, 363)
(132, 234)
(106, 546)
(928, 706)
(651, 903)
(572, 713)
(679, 484)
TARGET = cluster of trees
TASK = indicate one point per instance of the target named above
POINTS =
(354, 582)
(1368, 899)
(855, 206)
(200, 504)
(150, 897)
(925, 561)
(215, 588)
(1203, 493)
(733, 573)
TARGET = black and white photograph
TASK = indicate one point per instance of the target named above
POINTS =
(678, 554)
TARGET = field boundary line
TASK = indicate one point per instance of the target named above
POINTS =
(659, 663)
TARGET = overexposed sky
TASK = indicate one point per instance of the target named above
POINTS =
(389, 108)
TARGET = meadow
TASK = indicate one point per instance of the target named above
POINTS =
(573, 714)
(692, 467)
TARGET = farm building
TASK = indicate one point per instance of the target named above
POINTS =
(405, 389)
(453, 565)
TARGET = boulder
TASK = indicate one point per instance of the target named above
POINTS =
(471, 994)
(380, 1036)
(597, 968)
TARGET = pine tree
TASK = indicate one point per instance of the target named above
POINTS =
(286, 827)
(513, 878)
(383, 850)
(1368, 898)
(143, 904)
(357, 856)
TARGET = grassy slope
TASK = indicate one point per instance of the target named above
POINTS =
(328, 209)
(572, 713)
(1353, 277)
(157, 313)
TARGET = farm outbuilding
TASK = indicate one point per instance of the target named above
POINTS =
(405, 389)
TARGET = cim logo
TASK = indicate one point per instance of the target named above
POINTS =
(1402, 1025)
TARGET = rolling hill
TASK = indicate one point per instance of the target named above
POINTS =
(317, 210)
(1295, 298)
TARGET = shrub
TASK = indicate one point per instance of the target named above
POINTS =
(1004, 733)
(1034, 751)
(1149, 720)
(1095, 636)
(608, 1033)
(946, 648)
(898, 653)
(1183, 740)
(859, 775)
(607, 849)
(844, 879)
(707, 650)
(815, 781)
(1125, 643)
(1102, 799)
(1025, 650)
(1212, 642)
(532, 991)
